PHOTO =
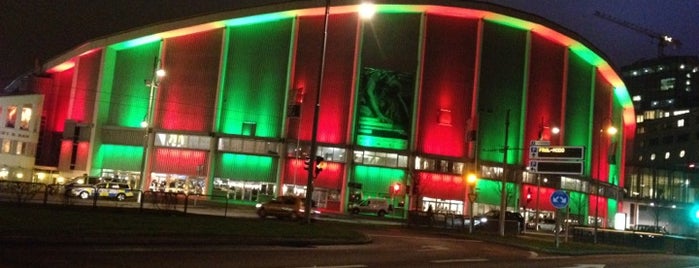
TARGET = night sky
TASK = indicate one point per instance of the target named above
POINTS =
(33, 30)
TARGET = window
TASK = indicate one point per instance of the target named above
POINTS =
(680, 123)
(667, 84)
(667, 155)
(636, 98)
(249, 128)
(6, 144)
(11, 116)
(25, 117)
(682, 153)
(639, 118)
(380, 159)
(652, 157)
(182, 141)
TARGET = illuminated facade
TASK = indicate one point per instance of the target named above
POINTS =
(412, 97)
(19, 135)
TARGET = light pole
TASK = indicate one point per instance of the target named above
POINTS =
(472, 180)
(611, 130)
(366, 11)
(158, 74)
(503, 182)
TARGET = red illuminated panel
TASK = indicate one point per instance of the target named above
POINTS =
(599, 209)
(188, 91)
(445, 96)
(543, 194)
(178, 161)
(81, 155)
(86, 87)
(443, 186)
(602, 120)
(56, 102)
(337, 79)
(330, 177)
(545, 90)
(295, 174)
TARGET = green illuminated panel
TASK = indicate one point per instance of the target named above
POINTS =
(578, 203)
(256, 77)
(489, 192)
(376, 180)
(246, 167)
(578, 107)
(130, 94)
(501, 88)
(121, 157)
(611, 208)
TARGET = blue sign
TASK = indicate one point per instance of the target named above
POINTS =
(559, 199)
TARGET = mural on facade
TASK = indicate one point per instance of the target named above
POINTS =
(384, 108)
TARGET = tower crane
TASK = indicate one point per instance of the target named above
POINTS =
(662, 39)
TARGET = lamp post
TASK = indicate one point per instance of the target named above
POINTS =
(472, 180)
(158, 74)
(316, 109)
(503, 182)
(610, 130)
(366, 11)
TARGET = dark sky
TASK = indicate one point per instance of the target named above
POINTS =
(42, 29)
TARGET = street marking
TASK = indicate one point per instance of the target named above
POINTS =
(458, 260)
(432, 247)
(535, 256)
(336, 266)
(586, 266)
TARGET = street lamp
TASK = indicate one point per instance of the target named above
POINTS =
(152, 84)
(610, 131)
(366, 11)
(471, 179)
(503, 182)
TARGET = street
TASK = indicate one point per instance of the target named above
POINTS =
(392, 248)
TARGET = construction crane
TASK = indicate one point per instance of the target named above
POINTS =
(662, 39)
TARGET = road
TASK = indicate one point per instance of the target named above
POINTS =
(396, 247)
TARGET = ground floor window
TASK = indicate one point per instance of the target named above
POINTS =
(177, 183)
(443, 206)
(324, 198)
(243, 190)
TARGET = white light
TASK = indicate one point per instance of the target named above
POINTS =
(160, 72)
(144, 124)
(367, 10)
(555, 130)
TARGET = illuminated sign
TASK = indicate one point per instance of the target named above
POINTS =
(557, 152)
(556, 167)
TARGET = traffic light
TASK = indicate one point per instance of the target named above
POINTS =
(319, 164)
(396, 188)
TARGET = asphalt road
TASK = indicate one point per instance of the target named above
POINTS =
(397, 247)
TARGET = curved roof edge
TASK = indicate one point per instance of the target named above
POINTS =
(475, 9)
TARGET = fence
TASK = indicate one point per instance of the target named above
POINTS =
(217, 205)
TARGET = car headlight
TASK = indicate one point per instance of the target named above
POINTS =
(258, 205)
(484, 220)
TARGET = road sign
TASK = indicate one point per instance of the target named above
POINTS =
(557, 152)
(559, 199)
(556, 167)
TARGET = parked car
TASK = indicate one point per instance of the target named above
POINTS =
(544, 225)
(378, 206)
(290, 207)
(117, 190)
(491, 218)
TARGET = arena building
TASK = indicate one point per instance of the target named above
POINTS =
(411, 101)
